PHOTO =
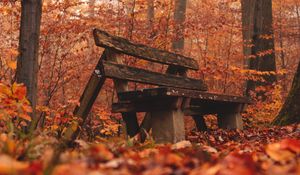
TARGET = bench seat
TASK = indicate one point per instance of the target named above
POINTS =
(192, 102)
(179, 103)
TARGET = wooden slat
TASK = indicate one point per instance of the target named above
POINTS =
(103, 39)
(118, 71)
(147, 105)
(203, 108)
(152, 93)
(91, 90)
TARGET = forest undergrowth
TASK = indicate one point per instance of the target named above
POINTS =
(255, 150)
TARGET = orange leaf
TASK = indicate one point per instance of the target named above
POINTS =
(5, 89)
(12, 65)
(25, 117)
(19, 91)
(26, 108)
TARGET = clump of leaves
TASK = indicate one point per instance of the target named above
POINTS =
(13, 103)
(262, 112)
(14, 112)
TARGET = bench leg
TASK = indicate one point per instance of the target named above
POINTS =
(231, 120)
(145, 126)
(200, 122)
(168, 126)
(131, 122)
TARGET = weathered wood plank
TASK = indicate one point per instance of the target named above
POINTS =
(169, 91)
(91, 90)
(203, 107)
(167, 126)
(117, 71)
(103, 39)
(146, 105)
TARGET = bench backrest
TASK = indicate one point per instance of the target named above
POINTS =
(175, 76)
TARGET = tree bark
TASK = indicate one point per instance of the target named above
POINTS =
(91, 14)
(248, 8)
(27, 67)
(179, 19)
(130, 10)
(290, 112)
(258, 29)
(150, 13)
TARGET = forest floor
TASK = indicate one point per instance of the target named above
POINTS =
(273, 150)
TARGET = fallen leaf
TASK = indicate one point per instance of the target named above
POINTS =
(181, 145)
(278, 154)
(10, 166)
(291, 144)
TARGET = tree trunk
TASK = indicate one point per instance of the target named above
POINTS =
(91, 8)
(150, 13)
(290, 112)
(130, 10)
(27, 67)
(248, 7)
(91, 14)
(262, 37)
(179, 19)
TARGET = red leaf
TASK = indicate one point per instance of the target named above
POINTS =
(291, 144)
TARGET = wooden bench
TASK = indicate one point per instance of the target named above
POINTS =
(176, 95)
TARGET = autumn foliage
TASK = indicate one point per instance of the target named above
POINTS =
(68, 55)
(13, 103)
